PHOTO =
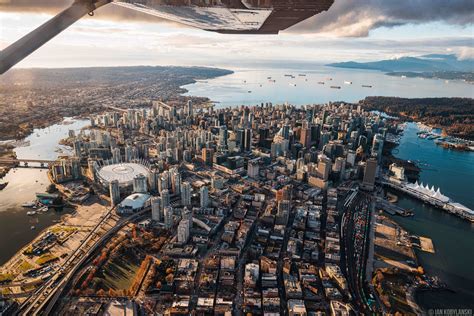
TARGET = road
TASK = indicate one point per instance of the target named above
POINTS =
(46, 295)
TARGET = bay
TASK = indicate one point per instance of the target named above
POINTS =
(251, 86)
(23, 183)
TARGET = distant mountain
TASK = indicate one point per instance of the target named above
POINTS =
(425, 63)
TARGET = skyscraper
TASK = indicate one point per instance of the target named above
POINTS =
(253, 169)
(369, 174)
(190, 108)
(165, 198)
(156, 210)
(247, 139)
(204, 193)
(168, 217)
(223, 136)
(114, 190)
(186, 194)
(324, 168)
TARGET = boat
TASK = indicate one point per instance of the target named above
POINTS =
(272, 80)
(249, 91)
(33, 227)
(330, 79)
(44, 209)
(29, 204)
(335, 87)
(269, 78)
(321, 82)
(31, 213)
(302, 75)
(292, 84)
(347, 82)
(366, 86)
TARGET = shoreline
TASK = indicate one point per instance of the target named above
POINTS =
(414, 291)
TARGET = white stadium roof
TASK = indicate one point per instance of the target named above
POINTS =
(123, 172)
(134, 201)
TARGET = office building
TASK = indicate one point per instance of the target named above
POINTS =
(369, 174)
(204, 195)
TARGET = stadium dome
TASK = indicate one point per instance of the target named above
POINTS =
(124, 173)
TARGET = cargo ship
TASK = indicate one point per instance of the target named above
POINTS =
(335, 87)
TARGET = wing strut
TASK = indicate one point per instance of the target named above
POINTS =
(14, 53)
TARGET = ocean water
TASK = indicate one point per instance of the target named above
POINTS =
(15, 225)
(453, 172)
(251, 86)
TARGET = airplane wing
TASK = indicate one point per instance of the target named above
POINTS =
(232, 16)
(223, 16)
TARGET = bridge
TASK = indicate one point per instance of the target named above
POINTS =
(25, 163)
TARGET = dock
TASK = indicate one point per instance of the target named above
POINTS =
(392, 209)
(427, 244)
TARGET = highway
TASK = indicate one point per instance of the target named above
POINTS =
(46, 296)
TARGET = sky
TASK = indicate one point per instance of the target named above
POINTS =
(361, 30)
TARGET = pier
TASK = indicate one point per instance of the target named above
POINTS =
(431, 197)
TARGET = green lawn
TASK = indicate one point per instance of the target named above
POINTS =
(44, 259)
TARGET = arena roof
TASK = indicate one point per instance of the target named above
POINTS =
(124, 173)
(134, 201)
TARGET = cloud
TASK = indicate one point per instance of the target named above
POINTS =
(356, 18)
(465, 53)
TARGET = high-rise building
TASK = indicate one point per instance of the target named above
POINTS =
(305, 137)
(140, 184)
(377, 147)
(190, 108)
(156, 209)
(114, 190)
(369, 174)
(247, 139)
(283, 211)
(168, 217)
(324, 168)
(263, 134)
(165, 198)
(253, 169)
(186, 194)
(223, 136)
(153, 179)
(184, 228)
(128, 153)
(116, 157)
(176, 181)
(207, 156)
(204, 194)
